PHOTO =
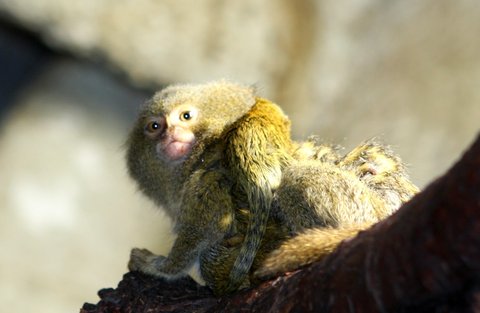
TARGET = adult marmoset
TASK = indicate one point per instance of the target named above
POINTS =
(201, 152)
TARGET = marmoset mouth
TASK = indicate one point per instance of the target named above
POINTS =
(177, 149)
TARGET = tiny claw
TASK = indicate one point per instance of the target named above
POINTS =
(138, 259)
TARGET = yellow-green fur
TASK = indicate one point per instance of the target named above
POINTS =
(197, 192)
(243, 143)
(249, 200)
(258, 147)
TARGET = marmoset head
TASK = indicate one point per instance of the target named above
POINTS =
(178, 117)
(176, 123)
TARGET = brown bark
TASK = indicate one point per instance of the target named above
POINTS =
(424, 258)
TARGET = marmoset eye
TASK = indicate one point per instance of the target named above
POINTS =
(185, 116)
(154, 126)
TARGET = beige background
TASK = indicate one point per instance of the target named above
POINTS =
(407, 71)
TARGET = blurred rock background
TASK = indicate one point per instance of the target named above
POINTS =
(73, 73)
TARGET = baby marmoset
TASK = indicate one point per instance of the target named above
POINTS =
(219, 159)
